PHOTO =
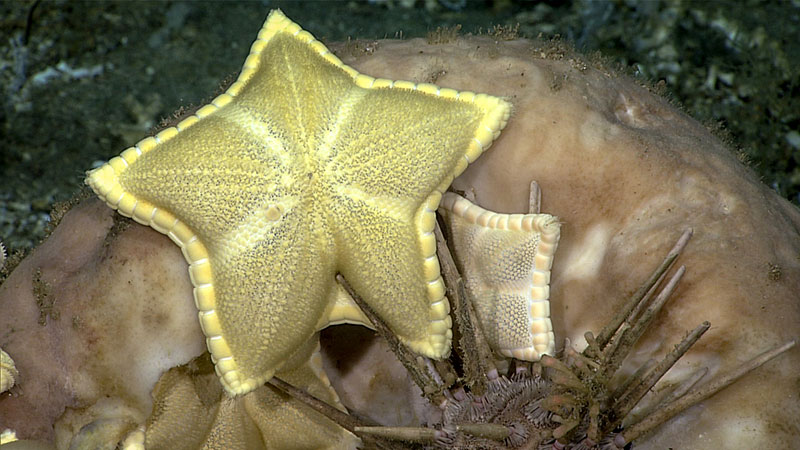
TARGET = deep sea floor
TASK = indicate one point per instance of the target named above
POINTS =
(83, 79)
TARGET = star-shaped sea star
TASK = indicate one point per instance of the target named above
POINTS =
(304, 168)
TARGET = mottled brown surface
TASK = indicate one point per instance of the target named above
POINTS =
(118, 297)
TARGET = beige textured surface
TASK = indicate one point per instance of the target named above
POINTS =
(191, 411)
(626, 172)
(302, 169)
(120, 314)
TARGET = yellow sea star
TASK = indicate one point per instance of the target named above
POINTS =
(304, 168)
(191, 411)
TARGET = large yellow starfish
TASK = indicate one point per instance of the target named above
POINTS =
(191, 412)
(304, 168)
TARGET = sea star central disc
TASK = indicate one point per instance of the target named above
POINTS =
(304, 168)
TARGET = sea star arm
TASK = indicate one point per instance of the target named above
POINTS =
(388, 249)
(505, 260)
(191, 409)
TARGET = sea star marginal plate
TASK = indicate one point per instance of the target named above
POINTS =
(304, 168)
